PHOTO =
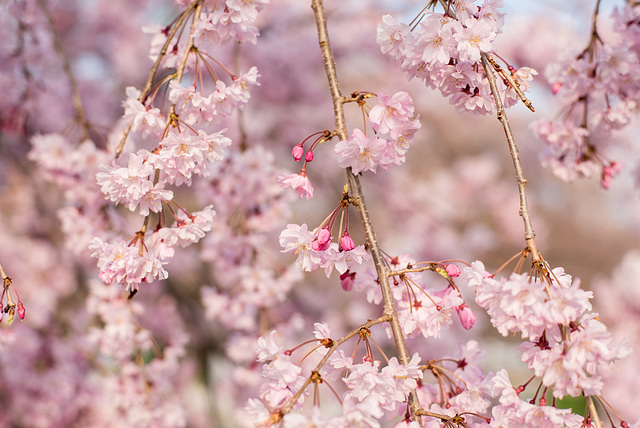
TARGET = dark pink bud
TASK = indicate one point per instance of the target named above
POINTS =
(346, 243)
(347, 279)
(324, 236)
(21, 311)
(297, 152)
(467, 318)
(309, 156)
(556, 88)
(453, 271)
(322, 241)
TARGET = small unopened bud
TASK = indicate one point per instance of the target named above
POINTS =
(453, 271)
(297, 152)
(347, 279)
(467, 318)
(346, 243)
(309, 156)
(556, 87)
(322, 241)
(324, 236)
(21, 311)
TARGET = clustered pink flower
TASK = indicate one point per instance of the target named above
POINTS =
(298, 182)
(444, 52)
(315, 250)
(566, 362)
(395, 129)
(599, 86)
(124, 264)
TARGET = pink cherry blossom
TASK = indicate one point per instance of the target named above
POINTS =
(362, 153)
(299, 182)
(391, 111)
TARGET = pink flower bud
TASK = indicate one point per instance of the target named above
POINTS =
(346, 243)
(324, 236)
(556, 87)
(453, 271)
(21, 311)
(347, 279)
(309, 156)
(467, 318)
(322, 241)
(297, 152)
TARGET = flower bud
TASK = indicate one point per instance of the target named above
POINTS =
(297, 152)
(324, 236)
(453, 270)
(21, 311)
(309, 156)
(322, 241)
(346, 243)
(467, 318)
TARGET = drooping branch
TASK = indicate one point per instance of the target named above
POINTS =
(529, 234)
(286, 408)
(156, 65)
(66, 66)
(357, 198)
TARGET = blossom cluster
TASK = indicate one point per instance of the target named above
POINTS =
(315, 250)
(187, 143)
(444, 50)
(370, 390)
(421, 309)
(391, 119)
(599, 87)
(567, 344)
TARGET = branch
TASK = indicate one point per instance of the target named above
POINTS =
(529, 234)
(357, 198)
(154, 69)
(286, 408)
(66, 66)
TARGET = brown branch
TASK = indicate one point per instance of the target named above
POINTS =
(357, 198)
(529, 234)
(66, 66)
(156, 65)
(286, 408)
(515, 85)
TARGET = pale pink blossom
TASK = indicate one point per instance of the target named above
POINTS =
(296, 239)
(391, 112)
(362, 153)
(147, 120)
(390, 35)
(475, 37)
(298, 182)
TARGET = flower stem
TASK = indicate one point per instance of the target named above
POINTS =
(357, 198)
(529, 234)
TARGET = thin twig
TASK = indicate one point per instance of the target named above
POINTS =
(185, 57)
(529, 234)
(514, 85)
(357, 198)
(286, 408)
(593, 412)
(66, 66)
(154, 69)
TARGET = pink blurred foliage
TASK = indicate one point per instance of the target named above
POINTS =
(173, 285)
